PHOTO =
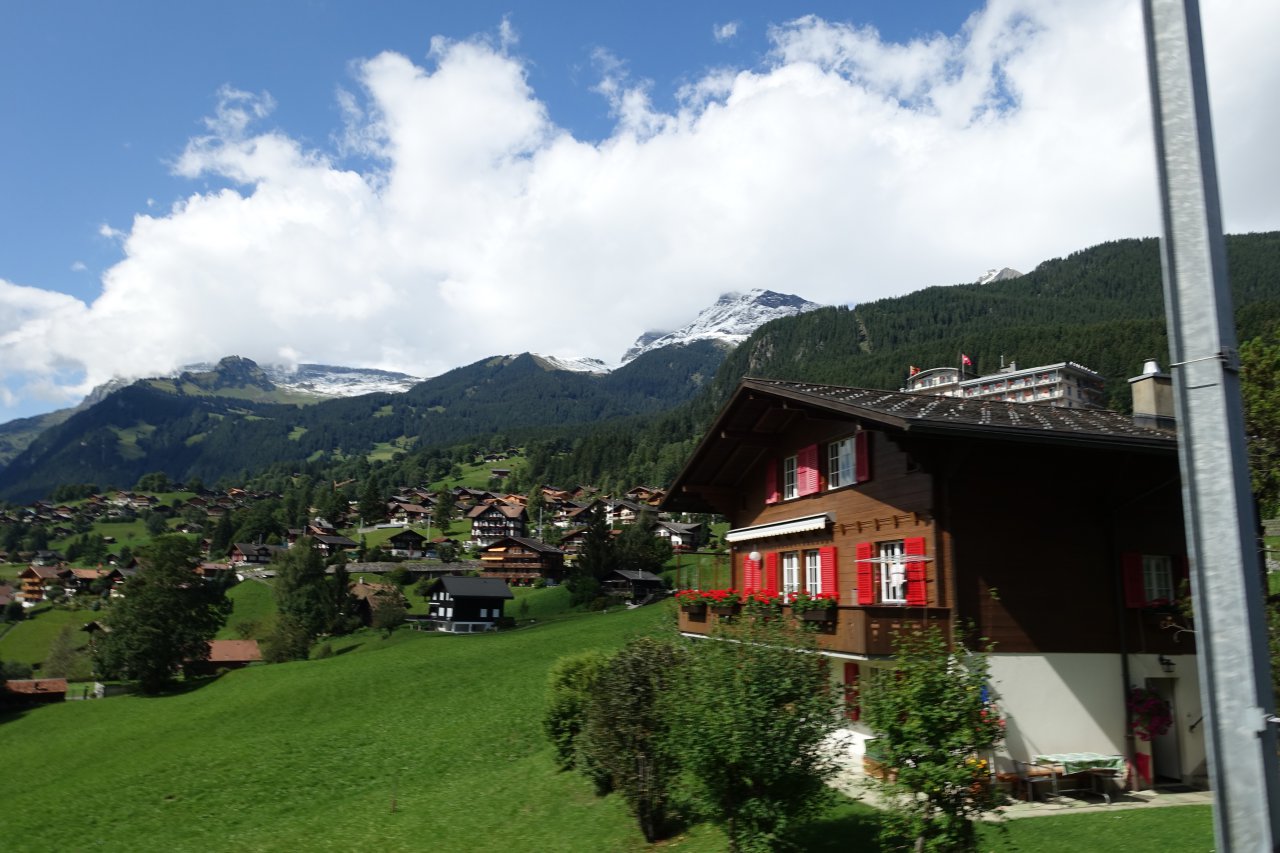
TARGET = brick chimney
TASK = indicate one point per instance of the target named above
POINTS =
(1153, 397)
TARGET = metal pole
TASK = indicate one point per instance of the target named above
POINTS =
(1235, 683)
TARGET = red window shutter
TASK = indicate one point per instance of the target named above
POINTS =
(807, 470)
(852, 703)
(917, 587)
(771, 584)
(866, 573)
(750, 575)
(827, 569)
(862, 456)
(1135, 594)
(771, 494)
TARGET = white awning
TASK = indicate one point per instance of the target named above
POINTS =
(780, 528)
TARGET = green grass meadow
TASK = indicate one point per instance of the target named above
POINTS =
(417, 741)
(252, 601)
(28, 641)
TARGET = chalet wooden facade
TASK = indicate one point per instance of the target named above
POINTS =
(407, 543)
(462, 605)
(1055, 533)
(40, 582)
(493, 521)
(518, 560)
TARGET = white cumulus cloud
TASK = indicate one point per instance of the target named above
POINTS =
(842, 168)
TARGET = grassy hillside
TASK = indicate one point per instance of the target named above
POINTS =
(311, 755)
(415, 742)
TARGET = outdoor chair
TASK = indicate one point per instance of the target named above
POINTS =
(1036, 774)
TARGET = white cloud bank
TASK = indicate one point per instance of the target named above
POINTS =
(844, 169)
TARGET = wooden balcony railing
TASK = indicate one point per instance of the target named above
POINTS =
(855, 630)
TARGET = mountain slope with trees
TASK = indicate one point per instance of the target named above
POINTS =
(1101, 307)
(150, 426)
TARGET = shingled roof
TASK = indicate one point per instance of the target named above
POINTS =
(762, 409)
(994, 418)
(463, 587)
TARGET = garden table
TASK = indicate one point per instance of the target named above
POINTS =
(1094, 765)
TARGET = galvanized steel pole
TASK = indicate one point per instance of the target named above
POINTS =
(1235, 683)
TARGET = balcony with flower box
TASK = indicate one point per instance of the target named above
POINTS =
(863, 630)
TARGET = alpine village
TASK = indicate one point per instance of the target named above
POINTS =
(894, 575)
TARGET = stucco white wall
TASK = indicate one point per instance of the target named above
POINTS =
(1075, 703)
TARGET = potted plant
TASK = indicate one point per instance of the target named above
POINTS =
(725, 602)
(1150, 716)
(763, 604)
(692, 601)
(819, 607)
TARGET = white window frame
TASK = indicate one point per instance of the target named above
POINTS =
(892, 571)
(790, 478)
(1157, 578)
(812, 572)
(841, 463)
(790, 572)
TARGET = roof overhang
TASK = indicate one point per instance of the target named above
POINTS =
(805, 524)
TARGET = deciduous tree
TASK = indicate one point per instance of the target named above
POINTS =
(168, 615)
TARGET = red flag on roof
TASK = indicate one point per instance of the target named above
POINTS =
(913, 371)
(964, 359)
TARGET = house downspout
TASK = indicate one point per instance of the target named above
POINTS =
(1113, 556)
(1117, 588)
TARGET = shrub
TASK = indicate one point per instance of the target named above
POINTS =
(936, 722)
(627, 733)
(569, 687)
(752, 723)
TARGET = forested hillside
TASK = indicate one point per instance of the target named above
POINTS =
(1101, 307)
(149, 426)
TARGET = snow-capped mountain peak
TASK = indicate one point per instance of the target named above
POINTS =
(319, 380)
(579, 364)
(1003, 274)
(731, 320)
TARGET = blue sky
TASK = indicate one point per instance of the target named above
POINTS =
(448, 181)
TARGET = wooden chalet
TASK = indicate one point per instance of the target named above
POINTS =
(464, 605)
(330, 545)
(522, 561)
(33, 691)
(682, 537)
(37, 581)
(256, 554)
(493, 521)
(224, 655)
(1056, 533)
(372, 596)
(649, 495)
(635, 585)
(407, 543)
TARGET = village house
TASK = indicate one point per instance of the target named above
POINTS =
(493, 521)
(257, 554)
(371, 597)
(40, 582)
(225, 655)
(522, 561)
(407, 543)
(1055, 533)
(462, 605)
(682, 537)
(33, 691)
